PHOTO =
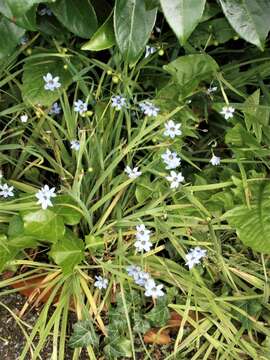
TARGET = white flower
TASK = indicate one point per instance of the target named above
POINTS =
(23, 40)
(227, 112)
(132, 173)
(211, 89)
(44, 196)
(139, 276)
(24, 118)
(175, 179)
(151, 289)
(143, 245)
(6, 190)
(75, 145)
(133, 270)
(171, 159)
(172, 129)
(215, 160)
(194, 256)
(51, 83)
(142, 278)
(55, 109)
(148, 108)
(45, 11)
(80, 106)
(101, 282)
(149, 50)
(118, 102)
(142, 233)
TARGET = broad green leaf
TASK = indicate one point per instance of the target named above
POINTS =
(188, 71)
(151, 4)
(28, 20)
(44, 225)
(10, 36)
(6, 254)
(132, 25)
(35, 68)
(255, 116)
(22, 242)
(68, 252)
(160, 314)
(103, 38)
(66, 207)
(253, 225)
(210, 32)
(20, 7)
(83, 335)
(249, 18)
(144, 189)
(15, 227)
(95, 244)
(183, 16)
(140, 324)
(119, 348)
(79, 18)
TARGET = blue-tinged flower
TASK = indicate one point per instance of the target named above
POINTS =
(51, 83)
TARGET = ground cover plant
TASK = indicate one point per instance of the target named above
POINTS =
(134, 193)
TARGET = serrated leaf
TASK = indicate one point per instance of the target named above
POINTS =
(79, 18)
(44, 225)
(83, 335)
(249, 18)
(68, 252)
(183, 16)
(253, 224)
(35, 68)
(132, 26)
(103, 38)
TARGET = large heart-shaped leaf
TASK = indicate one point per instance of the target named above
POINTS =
(188, 71)
(68, 252)
(35, 68)
(44, 225)
(66, 207)
(249, 18)
(183, 16)
(132, 25)
(10, 36)
(78, 17)
(253, 224)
